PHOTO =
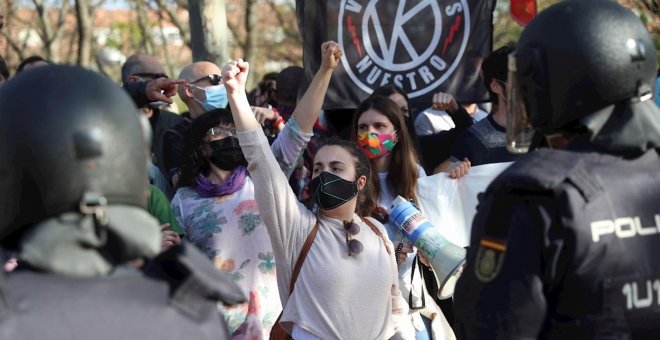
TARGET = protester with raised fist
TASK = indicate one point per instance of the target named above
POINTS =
(348, 286)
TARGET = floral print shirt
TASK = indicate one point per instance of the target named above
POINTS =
(229, 230)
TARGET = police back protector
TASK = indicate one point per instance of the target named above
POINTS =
(597, 218)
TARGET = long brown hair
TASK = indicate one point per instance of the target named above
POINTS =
(365, 203)
(402, 169)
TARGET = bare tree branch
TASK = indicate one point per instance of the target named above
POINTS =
(281, 20)
(15, 44)
(184, 29)
(43, 24)
(142, 22)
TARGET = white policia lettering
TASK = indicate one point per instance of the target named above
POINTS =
(632, 293)
(419, 69)
(623, 227)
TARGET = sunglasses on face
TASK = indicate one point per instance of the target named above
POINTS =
(151, 75)
(215, 79)
(221, 132)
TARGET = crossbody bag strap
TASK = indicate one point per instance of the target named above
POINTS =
(377, 231)
(302, 255)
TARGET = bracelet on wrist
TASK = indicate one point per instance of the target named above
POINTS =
(277, 122)
(276, 114)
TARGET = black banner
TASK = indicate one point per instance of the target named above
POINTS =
(423, 46)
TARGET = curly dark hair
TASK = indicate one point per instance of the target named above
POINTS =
(193, 140)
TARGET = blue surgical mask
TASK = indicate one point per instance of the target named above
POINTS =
(216, 97)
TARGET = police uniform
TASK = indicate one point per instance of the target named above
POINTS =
(565, 243)
(560, 249)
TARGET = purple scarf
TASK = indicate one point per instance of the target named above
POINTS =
(208, 189)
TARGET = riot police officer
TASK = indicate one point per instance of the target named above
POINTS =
(73, 186)
(565, 243)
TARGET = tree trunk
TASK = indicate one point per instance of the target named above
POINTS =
(84, 16)
(208, 30)
(146, 42)
(249, 49)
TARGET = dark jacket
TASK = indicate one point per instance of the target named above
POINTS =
(436, 148)
(565, 245)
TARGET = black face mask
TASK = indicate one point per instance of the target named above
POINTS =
(330, 191)
(226, 154)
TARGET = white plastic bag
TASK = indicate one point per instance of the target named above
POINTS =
(450, 204)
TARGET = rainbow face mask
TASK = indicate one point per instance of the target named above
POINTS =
(376, 145)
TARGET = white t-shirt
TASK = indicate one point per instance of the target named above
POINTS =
(406, 285)
(431, 121)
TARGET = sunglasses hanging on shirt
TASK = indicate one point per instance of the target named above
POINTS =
(355, 247)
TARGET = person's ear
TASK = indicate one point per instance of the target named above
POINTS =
(495, 86)
(188, 91)
(361, 182)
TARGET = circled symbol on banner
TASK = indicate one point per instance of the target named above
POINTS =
(388, 49)
(402, 42)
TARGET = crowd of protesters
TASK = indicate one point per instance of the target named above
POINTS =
(196, 155)
(202, 192)
(262, 184)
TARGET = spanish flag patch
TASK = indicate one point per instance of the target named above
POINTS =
(490, 257)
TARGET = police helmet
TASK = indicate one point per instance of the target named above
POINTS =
(575, 58)
(70, 141)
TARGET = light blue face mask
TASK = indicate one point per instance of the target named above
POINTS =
(216, 97)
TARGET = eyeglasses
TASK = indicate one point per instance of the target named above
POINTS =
(151, 75)
(215, 79)
(354, 246)
(221, 132)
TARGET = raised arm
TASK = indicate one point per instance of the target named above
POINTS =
(292, 140)
(234, 76)
(308, 108)
(287, 220)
